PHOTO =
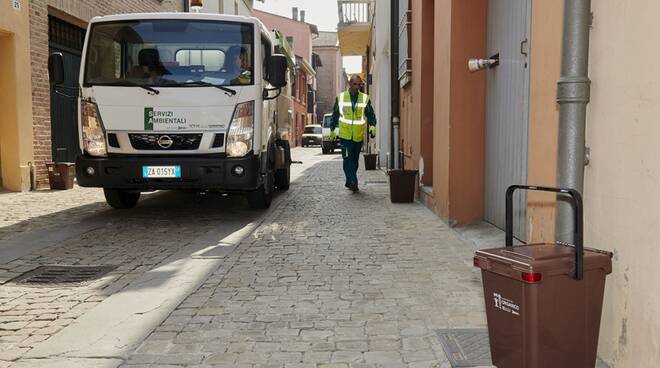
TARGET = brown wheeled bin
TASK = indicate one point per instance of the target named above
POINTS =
(543, 301)
(61, 175)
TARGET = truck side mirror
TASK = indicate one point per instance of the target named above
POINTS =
(277, 67)
(56, 68)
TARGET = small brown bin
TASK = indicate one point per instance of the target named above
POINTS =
(543, 301)
(61, 174)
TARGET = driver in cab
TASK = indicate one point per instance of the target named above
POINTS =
(237, 65)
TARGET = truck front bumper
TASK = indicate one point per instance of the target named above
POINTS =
(125, 172)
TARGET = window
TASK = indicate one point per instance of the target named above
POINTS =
(405, 23)
(210, 59)
(169, 52)
(266, 52)
(313, 130)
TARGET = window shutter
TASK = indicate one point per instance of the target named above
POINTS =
(405, 64)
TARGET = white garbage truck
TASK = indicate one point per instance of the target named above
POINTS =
(179, 101)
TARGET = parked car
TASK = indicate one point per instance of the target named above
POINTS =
(312, 135)
(328, 146)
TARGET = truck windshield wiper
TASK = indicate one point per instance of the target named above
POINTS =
(207, 84)
(131, 84)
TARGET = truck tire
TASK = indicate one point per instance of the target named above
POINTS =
(258, 199)
(283, 175)
(121, 199)
(283, 178)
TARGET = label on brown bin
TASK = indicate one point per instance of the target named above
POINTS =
(506, 305)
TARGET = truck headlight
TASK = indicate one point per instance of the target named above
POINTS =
(93, 133)
(241, 130)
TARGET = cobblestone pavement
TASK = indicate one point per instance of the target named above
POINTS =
(78, 228)
(330, 279)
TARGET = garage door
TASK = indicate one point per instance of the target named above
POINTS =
(507, 109)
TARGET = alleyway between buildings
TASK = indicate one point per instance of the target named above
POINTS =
(325, 278)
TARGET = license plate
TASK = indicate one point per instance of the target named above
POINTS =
(161, 171)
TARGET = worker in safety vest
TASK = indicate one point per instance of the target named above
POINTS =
(352, 113)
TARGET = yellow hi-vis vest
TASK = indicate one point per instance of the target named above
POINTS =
(352, 123)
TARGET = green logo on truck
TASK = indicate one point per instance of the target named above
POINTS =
(159, 119)
(148, 118)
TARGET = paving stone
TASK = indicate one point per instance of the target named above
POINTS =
(346, 357)
(221, 358)
(382, 357)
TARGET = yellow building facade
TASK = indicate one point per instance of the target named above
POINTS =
(16, 154)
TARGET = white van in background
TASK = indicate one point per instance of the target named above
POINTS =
(328, 146)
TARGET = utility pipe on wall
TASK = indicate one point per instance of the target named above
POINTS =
(573, 93)
(394, 65)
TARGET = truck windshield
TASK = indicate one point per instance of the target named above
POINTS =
(168, 52)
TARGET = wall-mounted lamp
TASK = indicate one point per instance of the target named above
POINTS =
(475, 65)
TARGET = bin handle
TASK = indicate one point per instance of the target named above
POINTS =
(578, 231)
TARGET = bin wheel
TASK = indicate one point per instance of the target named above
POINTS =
(121, 199)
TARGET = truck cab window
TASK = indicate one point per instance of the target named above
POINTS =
(172, 52)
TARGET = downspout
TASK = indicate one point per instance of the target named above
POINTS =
(394, 66)
(573, 93)
(186, 6)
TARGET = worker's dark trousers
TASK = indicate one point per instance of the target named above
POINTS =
(350, 152)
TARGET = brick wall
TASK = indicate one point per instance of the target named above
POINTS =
(77, 12)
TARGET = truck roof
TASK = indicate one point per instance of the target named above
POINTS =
(192, 16)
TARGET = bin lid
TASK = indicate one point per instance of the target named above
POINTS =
(548, 259)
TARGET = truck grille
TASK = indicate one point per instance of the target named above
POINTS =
(165, 142)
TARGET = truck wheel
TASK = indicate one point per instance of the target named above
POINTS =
(121, 199)
(283, 178)
(283, 175)
(259, 199)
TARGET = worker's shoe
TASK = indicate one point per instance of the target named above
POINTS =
(354, 187)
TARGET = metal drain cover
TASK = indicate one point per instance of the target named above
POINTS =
(62, 275)
(465, 347)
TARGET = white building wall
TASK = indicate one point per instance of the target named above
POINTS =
(622, 180)
(380, 70)
(231, 7)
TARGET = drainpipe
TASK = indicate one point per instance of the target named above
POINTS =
(573, 92)
(394, 65)
(186, 6)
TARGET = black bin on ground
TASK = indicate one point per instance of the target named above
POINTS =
(543, 301)
(370, 161)
(402, 185)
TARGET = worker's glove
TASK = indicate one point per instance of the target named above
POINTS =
(372, 131)
(333, 135)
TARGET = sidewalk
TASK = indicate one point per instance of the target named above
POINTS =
(330, 279)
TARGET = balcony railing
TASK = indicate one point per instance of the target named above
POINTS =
(355, 12)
